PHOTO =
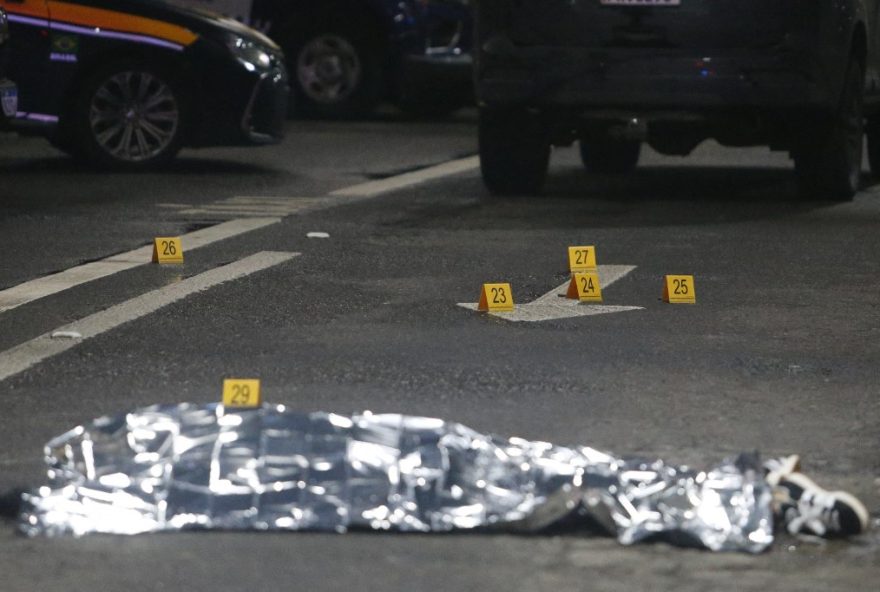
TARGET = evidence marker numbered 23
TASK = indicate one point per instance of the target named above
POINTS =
(496, 298)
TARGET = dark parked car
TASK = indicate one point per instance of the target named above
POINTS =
(794, 75)
(127, 83)
(8, 90)
(346, 55)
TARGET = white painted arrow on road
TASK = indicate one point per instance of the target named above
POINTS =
(551, 306)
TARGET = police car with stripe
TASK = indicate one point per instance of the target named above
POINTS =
(127, 83)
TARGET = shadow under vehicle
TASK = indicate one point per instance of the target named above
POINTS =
(128, 83)
(8, 90)
(345, 56)
(794, 75)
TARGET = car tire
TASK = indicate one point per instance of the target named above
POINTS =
(828, 162)
(610, 156)
(514, 151)
(336, 73)
(128, 115)
(872, 131)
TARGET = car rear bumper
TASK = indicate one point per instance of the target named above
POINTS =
(640, 81)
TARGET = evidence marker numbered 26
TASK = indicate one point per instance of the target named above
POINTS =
(167, 249)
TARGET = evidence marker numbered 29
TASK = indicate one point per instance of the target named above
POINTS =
(241, 393)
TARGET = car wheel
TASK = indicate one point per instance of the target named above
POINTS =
(128, 116)
(828, 164)
(514, 151)
(337, 75)
(610, 156)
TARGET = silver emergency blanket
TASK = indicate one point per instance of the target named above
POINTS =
(167, 468)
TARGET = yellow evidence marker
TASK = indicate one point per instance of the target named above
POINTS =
(679, 289)
(167, 249)
(585, 287)
(496, 298)
(581, 259)
(241, 393)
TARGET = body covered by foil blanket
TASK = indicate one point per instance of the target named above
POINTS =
(168, 468)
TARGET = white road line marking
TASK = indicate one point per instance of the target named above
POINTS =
(372, 188)
(229, 206)
(551, 306)
(269, 200)
(243, 210)
(254, 206)
(63, 280)
(22, 357)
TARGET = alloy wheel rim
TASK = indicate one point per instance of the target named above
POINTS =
(134, 116)
(328, 69)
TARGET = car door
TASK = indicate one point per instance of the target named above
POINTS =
(29, 48)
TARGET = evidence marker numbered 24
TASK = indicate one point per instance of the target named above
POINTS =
(584, 286)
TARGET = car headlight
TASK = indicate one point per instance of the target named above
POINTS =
(252, 55)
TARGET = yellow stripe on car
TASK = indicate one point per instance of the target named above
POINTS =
(78, 14)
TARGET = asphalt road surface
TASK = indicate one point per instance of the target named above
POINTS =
(780, 353)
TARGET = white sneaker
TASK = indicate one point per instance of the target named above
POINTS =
(803, 506)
